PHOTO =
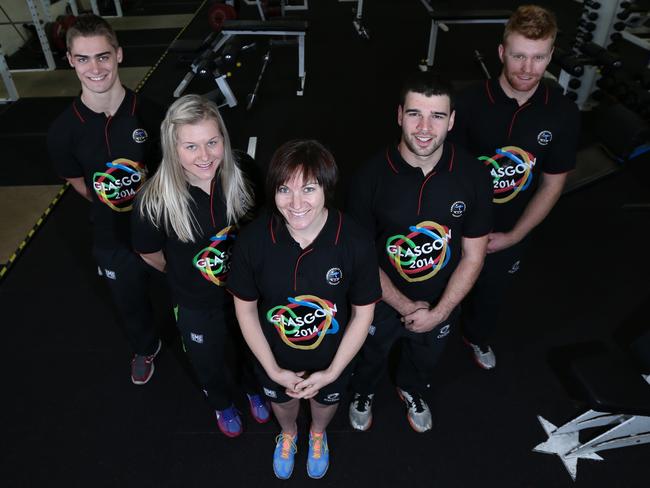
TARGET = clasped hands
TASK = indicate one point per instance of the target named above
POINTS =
(420, 317)
(302, 385)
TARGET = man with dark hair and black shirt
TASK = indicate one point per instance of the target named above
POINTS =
(526, 133)
(427, 205)
(103, 144)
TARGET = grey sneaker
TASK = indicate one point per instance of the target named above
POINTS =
(361, 411)
(483, 355)
(142, 367)
(418, 413)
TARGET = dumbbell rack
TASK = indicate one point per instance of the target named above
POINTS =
(600, 22)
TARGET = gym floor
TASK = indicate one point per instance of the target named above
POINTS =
(72, 415)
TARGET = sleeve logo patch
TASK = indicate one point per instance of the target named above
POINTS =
(458, 209)
(544, 137)
(140, 136)
(334, 276)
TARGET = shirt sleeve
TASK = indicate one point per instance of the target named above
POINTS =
(241, 278)
(359, 197)
(459, 133)
(479, 217)
(365, 287)
(253, 174)
(151, 115)
(59, 145)
(564, 146)
(146, 237)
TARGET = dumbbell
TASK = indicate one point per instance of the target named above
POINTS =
(602, 56)
(569, 62)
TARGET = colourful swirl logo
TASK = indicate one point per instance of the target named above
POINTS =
(512, 172)
(214, 261)
(118, 186)
(304, 329)
(419, 255)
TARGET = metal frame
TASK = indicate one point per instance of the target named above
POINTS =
(42, 37)
(433, 34)
(627, 430)
(8, 80)
(283, 7)
(302, 74)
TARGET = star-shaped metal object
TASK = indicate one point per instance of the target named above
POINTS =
(562, 445)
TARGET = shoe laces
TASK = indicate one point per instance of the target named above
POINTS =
(362, 402)
(256, 401)
(229, 414)
(484, 349)
(288, 445)
(415, 402)
(316, 442)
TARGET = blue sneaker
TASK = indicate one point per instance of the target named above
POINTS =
(285, 451)
(318, 457)
(260, 408)
(229, 421)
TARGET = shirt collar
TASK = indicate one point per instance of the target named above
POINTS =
(329, 234)
(495, 93)
(126, 107)
(397, 164)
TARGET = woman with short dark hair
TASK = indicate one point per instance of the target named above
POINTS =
(305, 281)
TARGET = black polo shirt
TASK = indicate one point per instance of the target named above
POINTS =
(304, 295)
(517, 144)
(197, 271)
(419, 221)
(112, 154)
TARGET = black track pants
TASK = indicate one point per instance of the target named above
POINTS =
(419, 353)
(128, 279)
(206, 334)
(481, 307)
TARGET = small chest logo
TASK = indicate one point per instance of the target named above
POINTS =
(140, 136)
(457, 209)
(544, 137)
(334, 276)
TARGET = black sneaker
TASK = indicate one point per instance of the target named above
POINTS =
(142, 367)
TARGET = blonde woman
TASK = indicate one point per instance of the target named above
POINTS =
(186, 220)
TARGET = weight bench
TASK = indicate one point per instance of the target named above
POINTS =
(441, 18)
(617, 396)
(295, 28)
(207, 49)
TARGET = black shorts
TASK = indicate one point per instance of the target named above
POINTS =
(330, 395)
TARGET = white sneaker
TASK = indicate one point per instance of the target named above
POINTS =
(418, 413)
(483, 355)
(360, 412)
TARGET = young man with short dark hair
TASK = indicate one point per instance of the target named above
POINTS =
(103, 144)
(427, 204)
